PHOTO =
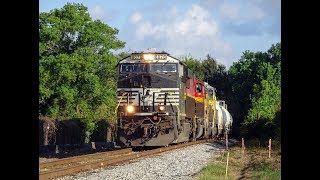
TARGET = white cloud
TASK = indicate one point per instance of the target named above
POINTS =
(229, 11)
(97, 12)
(257, 12)
(194, 22)
(242, 13)
(192, 31)
(196, 12)
(135, 18)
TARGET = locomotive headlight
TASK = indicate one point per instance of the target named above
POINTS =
(148, 57)
(130, 109)
(162, 108)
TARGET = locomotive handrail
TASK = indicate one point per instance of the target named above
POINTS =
(119, 102)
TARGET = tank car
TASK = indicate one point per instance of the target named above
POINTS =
(161, 102)
(224, 118)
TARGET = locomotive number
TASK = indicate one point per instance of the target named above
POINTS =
(136, 57)
(160, 56)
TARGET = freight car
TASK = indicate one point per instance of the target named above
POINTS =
(161, 102)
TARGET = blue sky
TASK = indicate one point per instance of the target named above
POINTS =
(222, 28)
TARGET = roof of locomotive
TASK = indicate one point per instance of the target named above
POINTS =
(207, 86)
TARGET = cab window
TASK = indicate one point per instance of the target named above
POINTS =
(198, 88)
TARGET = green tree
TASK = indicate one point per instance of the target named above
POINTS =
(265, 103)
(76, 66)
(194, 65)
(209, 67)
(262, 119)
(255, 81)
(122, 55)
(221, 82)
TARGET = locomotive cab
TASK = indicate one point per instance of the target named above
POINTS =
(148, 99)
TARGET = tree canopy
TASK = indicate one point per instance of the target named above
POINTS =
(195, 65)
(256, 87)
(76, 65)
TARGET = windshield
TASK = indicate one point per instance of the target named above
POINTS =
(130, 67)
(163, 68)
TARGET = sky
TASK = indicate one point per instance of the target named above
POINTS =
(224, 29)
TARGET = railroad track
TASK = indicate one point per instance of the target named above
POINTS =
(68, 166)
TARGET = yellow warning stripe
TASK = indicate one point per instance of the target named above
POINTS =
(197, 99)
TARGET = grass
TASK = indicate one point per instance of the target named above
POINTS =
(254, 164)
(266, 171)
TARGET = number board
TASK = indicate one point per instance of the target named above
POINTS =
(136, 56)
(160, 56)
(155, 56)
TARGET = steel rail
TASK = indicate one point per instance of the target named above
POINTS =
(83, 157)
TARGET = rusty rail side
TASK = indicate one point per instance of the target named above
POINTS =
(104, 163)
(79, 158)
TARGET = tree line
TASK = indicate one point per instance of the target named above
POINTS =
(77, 74)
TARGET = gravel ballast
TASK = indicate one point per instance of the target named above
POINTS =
(181, 163)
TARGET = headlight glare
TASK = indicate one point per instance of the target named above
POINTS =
(162, 108)
(130, 109)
